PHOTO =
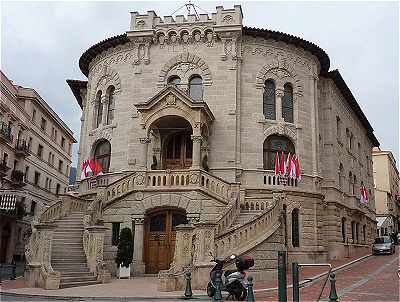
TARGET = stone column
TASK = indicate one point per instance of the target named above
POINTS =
(196, 154)
(138, 263)
(278, 103)
(144, 141)
(105, 109)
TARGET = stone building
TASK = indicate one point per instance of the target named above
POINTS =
(186, 115)
(387, 198)
(35, 150)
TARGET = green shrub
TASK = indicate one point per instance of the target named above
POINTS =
(125, 248)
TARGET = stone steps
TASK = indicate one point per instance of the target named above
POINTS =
(68, 256)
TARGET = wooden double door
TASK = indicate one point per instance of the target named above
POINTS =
(178, 151)
(160, 238)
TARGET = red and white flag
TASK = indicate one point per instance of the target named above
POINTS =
(277, 164)
(364, 194)
(282, 168)
(289, 165)
(297, 168)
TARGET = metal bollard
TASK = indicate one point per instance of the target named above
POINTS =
(13, 271)
(188, 290)
(295, 273)
(250, 293)
(218, 284)
(333, 295)
(282, 284)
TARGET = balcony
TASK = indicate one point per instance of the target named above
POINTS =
(17, 178)
(22, 149)
(3, 168)
(5, 133)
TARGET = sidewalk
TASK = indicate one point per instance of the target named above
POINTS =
(141, 288)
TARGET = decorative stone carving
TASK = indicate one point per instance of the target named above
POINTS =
(109, 77)
(228, 19)
(281, 129)
(184, 65)
(139, 195)
(139, 179)
(194, 178)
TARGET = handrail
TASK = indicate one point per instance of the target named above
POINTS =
(229, 215)
(308, 280)
(64, 206)
(242, 235)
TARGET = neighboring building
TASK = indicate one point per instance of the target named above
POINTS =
(185, 117)
(387, 198)
(72, 176)
(35, 150)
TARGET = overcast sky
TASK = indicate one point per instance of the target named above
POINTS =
(41, 43)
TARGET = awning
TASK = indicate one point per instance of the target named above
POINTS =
(380, 221)
(8, 202)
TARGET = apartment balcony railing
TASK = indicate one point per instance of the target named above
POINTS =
(17, 178)
(21, 148)
(5, 133)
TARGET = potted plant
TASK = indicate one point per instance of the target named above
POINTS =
(125, 253)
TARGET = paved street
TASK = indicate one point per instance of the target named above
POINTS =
(373, 279)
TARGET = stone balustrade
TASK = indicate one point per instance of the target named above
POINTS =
(255, 205)
(171, 179)
(225, 220)
(239, 239)
(63, 207)
(270, 179)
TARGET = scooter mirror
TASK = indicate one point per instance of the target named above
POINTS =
(233, 256)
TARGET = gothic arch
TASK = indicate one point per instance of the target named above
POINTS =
(281, 71)
(195, 61)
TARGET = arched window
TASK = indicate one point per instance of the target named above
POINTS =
(273, 144)
(98, 109)
(295, 228)
(175, 80)
(269, 109)
(287, 103)
(102, 153)
(196, 88)
(111, 105)
(344, 230)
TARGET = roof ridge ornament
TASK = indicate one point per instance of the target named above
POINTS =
(189, 6)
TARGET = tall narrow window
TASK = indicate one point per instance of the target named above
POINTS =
(354, 184)
(111, 105)
(350, 182)
(295, 228)
(273, 144)
(102, 153)
(98, 108)
(340, 174)
(353, 230)
(357, 230)
(115, 233)
(269, 108)
(287, 103)
(338, 128)
(344, 230)
(196, 88)
(364, 233)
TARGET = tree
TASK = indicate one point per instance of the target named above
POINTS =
(125, 248)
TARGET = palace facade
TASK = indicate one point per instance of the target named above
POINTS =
(185, 116)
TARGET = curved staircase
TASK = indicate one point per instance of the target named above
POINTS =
(68, 256)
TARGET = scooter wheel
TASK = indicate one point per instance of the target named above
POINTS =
(210, 290)
(241, 294)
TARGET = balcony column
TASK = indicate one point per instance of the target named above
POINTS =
(138, 264)
(196, 154)
(144, 141)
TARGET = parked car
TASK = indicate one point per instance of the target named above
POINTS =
(383, 245)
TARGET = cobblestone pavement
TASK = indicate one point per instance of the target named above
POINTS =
(373, 279)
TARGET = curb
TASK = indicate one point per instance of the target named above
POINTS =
(303, 283)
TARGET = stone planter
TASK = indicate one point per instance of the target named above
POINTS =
(124, 272)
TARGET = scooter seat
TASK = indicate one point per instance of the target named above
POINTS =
(228, 272)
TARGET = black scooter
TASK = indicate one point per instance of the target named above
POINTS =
(235, 282)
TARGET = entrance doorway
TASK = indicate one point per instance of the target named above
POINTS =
(160, 238)
(178, 151)
(5, 239)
